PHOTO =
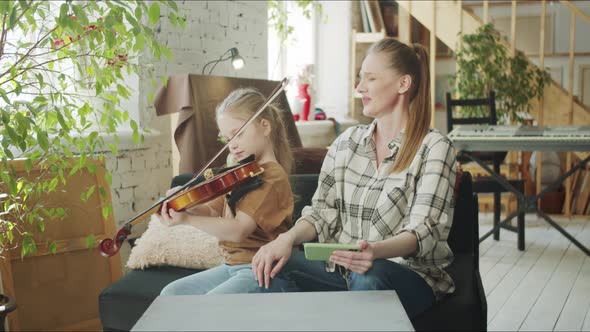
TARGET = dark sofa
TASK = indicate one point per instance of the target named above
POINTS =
(123, 303)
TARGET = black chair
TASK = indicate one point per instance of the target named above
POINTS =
(466, 309)
(487, 184)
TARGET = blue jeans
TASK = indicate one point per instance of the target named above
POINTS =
(300, 274)
(223, 279)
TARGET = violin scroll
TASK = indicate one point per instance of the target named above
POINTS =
(110, 247)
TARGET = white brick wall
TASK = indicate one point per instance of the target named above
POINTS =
(142, 174)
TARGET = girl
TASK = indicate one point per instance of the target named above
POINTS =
(386, 187)
(260, 215)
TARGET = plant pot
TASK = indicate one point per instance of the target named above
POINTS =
(7, 305)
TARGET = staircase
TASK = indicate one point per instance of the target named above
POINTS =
(450, 18)
(447, 19)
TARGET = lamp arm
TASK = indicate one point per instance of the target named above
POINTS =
(216, 62)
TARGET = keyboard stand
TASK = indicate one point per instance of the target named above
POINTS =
(529, 203)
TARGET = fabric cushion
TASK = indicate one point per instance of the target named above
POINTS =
(182, 246)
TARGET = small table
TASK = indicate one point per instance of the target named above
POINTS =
(306, 311)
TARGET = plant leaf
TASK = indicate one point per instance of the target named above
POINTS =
(154, 13)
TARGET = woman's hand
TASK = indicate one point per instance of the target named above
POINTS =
(277, 250)
(358, 262)
(169, 217)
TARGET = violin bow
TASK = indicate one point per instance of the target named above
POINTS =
(109, 247)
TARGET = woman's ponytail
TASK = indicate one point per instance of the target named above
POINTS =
(419, 116)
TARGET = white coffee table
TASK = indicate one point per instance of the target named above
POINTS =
(309, 311)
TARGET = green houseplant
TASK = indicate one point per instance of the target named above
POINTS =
(484, 62)
(62, 79)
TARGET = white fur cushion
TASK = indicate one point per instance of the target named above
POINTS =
(182, 246)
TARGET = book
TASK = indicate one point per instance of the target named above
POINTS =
(370, 17)
(364, 16)
(357, 20)
(390, 17)
(375, 14)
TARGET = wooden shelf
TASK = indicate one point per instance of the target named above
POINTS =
(368, 37)
(380, 26)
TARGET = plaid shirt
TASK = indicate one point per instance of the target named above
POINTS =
(355, 200)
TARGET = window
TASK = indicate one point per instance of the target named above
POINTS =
(287, 59)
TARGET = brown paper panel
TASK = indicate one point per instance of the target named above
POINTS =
(59, 290)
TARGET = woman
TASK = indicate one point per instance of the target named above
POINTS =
(387, 187)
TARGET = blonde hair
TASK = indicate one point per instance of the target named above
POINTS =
(243, 103)
(413, 61)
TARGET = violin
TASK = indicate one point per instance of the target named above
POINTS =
(191, 194)
(215, 186)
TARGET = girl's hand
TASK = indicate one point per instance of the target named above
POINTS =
(169, 217)
(358, 262)
(277, 250)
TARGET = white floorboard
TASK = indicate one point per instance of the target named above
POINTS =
(544, 288)
(547, 308)
(578, 302)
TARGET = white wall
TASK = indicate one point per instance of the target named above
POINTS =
(332, 76)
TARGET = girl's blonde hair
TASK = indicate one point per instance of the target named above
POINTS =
(413, 61)
(243, 103)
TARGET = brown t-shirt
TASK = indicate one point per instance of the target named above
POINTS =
(271, 207)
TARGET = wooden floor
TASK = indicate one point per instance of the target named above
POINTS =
(544, 288)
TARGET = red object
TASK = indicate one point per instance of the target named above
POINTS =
(296, 117)
(319, 115)
(304, 94)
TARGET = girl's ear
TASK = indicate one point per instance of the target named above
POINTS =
(405, 82)
(266, 127)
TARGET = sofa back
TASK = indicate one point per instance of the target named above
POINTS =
(303, 186)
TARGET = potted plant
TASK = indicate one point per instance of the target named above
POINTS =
(62, 80)
(485, 62)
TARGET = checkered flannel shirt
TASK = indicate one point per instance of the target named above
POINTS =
(355, 200)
